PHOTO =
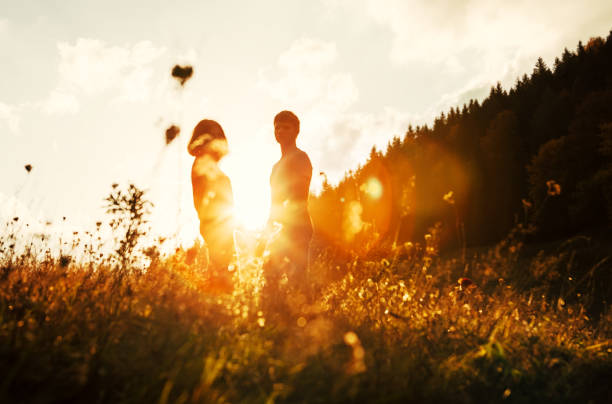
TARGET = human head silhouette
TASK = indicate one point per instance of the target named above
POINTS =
(208, 138)
(286, 127)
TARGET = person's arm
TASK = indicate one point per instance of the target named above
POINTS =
(299, 176)
(274, 197)
(224, 201)
(273, 216)
(198, 190)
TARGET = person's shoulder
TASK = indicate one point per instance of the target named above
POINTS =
(222, 178)
(223, 186)
(300, 156)
(196, 171)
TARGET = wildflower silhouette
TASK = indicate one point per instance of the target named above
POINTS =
(129, 210)
(554, 189)
(182, 73)
(171, 133)
(448, 198)
(465, 283)
(357, 364)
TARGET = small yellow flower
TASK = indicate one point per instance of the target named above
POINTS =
(350, 338)
(448, 198)
(553, 188)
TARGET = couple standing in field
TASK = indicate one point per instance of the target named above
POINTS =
(289, 183)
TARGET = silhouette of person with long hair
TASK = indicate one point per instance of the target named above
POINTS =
(289, 183)
(212, 194)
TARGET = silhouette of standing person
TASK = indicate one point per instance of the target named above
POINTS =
(289, 183)
(212, 194)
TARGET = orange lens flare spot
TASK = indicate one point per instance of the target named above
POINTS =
(372, 187)
(350, 338)
(352, 223)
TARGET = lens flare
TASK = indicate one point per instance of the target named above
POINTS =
(352, 223)
(372, 187)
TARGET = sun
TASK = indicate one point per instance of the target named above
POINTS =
(251, 188)
(251, 205)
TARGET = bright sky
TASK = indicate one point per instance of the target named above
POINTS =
(86, 92)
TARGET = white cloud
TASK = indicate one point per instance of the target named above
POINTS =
(341, 92)
(442, 32)
(59, 103)
(477, 88)
(90, 66)
(308, 54)
(136, 85)
(302, 75)
(472, 44)
(345, 140)
(11, 117)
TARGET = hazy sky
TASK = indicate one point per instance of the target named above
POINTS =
(86, 92)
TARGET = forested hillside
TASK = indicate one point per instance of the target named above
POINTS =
(538, 153)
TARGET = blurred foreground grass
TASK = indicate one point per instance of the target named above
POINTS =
(394, 326)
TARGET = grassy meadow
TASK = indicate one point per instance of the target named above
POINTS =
(399, 324)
